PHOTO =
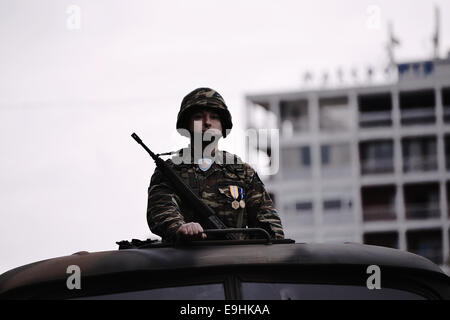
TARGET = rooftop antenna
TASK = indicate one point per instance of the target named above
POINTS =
(307, 77)
(340, 75)
(325, 77)
(370, 72)
(436, 32)
(354, 73)
(392, 43)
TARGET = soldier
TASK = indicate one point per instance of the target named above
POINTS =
(226, 184)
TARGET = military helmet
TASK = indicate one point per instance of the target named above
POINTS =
(204, 98)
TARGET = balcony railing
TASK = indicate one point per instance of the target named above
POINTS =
(377, 213)
(295, 174)
(447, 161)
(292, 218)
(422, 210)
(290, 126)
(331, 171)
(447, 113)
(337, 216)
(420, 163)
(417, 115)
(446, 110)
(374, 166)
(372, 118)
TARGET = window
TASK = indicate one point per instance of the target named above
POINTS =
(446, 103)
(304, 207)
(417, 107)
(337, 210)
(325, 154)
(422, 201)
(301, 291)
(332, 205)
(294, 116)
(335, 160)
(427, 243)
(195, 292)
(419, 154)
(376, 157)
(334, 114)
(384, 239)
(298, 212)
(306, 156)
(335, 205)
(375, 110)
(378, 203)
(296, 162)
(261, 115)
(447, 152)
(448, 200)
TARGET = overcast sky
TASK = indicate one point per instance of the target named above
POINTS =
(76, 81)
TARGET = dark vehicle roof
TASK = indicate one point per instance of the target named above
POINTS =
(188, 257)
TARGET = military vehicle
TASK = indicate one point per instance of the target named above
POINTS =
(225, 267)
(253, 269)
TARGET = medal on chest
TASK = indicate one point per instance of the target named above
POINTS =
(242, 194)
(235, 194)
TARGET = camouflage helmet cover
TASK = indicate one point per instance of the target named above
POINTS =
(204, 98)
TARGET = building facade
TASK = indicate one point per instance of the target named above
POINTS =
(367, 164)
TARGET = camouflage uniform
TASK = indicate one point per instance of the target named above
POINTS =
(166, 212)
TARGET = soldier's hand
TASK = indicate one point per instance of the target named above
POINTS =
(191, 230)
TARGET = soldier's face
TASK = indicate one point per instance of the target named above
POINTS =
(204, 120)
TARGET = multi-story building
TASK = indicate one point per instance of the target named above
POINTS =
(366, 164)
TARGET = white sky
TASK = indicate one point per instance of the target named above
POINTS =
(71, 177)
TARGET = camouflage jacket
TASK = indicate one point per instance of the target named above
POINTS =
(166, 212)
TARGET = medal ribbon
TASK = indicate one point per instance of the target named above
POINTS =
(234, 191)
(242, 193)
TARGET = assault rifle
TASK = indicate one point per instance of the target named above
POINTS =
(186, 193)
